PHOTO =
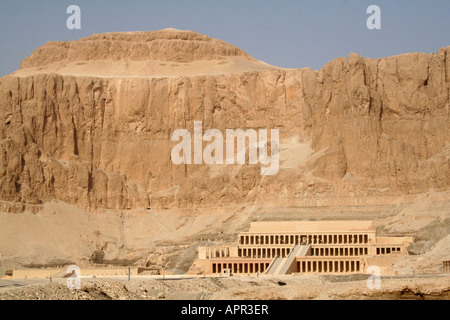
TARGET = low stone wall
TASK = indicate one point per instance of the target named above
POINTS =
(59, 273)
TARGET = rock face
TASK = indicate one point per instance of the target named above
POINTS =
(75, 130)
(165, 53)
(165, 45)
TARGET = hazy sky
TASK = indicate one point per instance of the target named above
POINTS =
(285, 33)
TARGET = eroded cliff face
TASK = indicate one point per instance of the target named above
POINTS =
(165, 45)
(355, 130)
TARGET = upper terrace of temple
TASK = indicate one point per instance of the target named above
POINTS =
(309, 226)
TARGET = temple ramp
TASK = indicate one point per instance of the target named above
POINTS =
(305, 250)
(274, 265)
(288, 265)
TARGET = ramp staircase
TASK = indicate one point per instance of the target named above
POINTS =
(280, 266)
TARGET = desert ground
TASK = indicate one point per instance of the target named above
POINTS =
(239, 288)
(418, 275)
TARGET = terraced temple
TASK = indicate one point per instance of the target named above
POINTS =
(303, 247)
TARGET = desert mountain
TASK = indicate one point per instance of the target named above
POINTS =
(89, 123)
(85, 147)
(165, 53)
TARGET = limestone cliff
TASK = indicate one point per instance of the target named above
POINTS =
(89, 123)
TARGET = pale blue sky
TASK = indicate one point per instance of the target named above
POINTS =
(285, 33)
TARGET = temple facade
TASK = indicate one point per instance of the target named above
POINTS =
(302, 247)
